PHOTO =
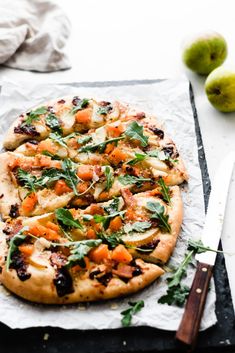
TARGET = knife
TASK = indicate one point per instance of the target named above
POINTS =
(190, 323)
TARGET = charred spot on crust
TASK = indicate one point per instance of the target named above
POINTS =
(18, 264)
(157, 132)
(63, 282)
(137, 271)
(152, 245)
(26, 130)
(170, 151)
(14, 211)
(102, 277)
(76, 100)
(1, 196)
(140, 115)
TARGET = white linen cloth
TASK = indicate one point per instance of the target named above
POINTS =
(33, 34)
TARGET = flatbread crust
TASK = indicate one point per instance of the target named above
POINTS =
(39, 285)
(39, 288)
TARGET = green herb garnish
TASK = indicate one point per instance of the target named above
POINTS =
(104, 110)
(82, 104)
(164, 190)
(112, 240)
(66, 220)
(135, 131)
(131, 179)
(158, 211)
(113, 206)
(139, 157)
(53, 156)
(127, 314)
(109, 178)
(99, 147)
(84, 139)
(79, 250)
(15, 241)
(26, 179)
(34, 115)
(137, 227)
(53, 123)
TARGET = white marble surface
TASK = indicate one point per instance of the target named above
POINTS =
(136, 39)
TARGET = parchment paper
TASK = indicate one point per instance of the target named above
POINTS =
(169, 101)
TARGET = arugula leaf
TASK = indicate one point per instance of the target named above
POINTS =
(198, 247)
(105, 220)
(70, 176)
(131, 179)
(28, 180)
(181, 271)
(84, 139)
(135, 131)
(175, 295)
(139, 157)
(57, 138)
(112, 207)
(158, 154)
(34, 115)
(104, 110)
(111, 240)
(80, 250)
(137, 227)
(82, 104)
(15, 241)
(158, 211)
(109, 178)
(128, 313)
(164, 190)
(66, 220)
(61, 140)
(53, 156)
(53, 123)
(99, 147)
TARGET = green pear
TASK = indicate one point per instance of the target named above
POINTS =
(205, 52)
(220, 89)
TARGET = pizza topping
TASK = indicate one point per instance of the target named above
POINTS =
(104, 109)
(18, 264)
(99, 254)
(34, 115)
(100, 147)
(135, 131)
(66, 220)
(14, 211)
(29, 203)
(131, 179)
(137, 227)
(61, 187)
(109, 178)
(158, 132)
(121, 254)
(26, 130)
(63, 282)
(15, 241)
(158, 211)
(79, 104)
(165, 191)
(53, 123)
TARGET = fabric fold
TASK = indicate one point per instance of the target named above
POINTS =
(33, 35)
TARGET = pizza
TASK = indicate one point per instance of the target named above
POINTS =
(90, 201)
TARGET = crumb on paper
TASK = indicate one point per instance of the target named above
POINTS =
(46, 336)
(114, 306)
(81, 307)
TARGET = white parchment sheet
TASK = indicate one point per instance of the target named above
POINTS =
(169, 101)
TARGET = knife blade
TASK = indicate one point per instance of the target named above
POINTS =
(190, 323)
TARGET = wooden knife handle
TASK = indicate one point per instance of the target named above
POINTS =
(190, 323)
